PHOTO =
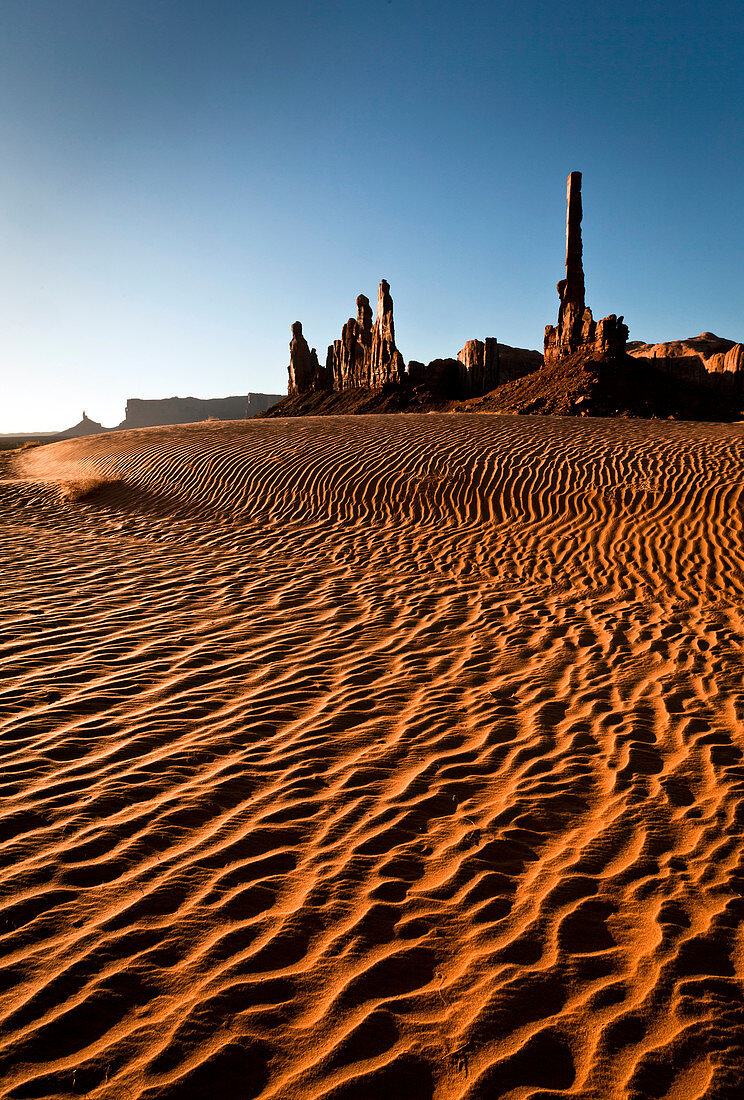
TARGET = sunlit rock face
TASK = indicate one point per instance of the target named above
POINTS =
(366, 357)
(305, 373)
(707, 359)
(348, 359)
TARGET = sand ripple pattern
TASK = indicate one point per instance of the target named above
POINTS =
(361, 757)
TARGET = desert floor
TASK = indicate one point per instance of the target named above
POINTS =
(373, 757)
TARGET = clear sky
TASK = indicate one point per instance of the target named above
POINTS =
(182, 179)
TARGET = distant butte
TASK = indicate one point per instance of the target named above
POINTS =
(146, 413)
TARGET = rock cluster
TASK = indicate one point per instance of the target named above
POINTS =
(486, 364)
(577, 331)
(349, 359)
(365, 357)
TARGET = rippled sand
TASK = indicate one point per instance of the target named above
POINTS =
(374, 757)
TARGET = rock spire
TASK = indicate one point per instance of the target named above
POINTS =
(577, 331)
(304, 370)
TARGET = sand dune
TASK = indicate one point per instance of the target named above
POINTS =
(369, 757)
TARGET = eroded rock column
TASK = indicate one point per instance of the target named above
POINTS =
(577, 331)
(304, 370)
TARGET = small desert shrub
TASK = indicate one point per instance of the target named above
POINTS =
(85, 487)
(29, 444)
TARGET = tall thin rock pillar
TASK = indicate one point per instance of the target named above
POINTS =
(574, 282)
(577, 331)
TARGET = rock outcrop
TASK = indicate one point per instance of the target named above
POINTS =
(86, 426)
(577, 331)
(485, 364)
(707, 359)
(582, 386)
(304, 370)
(479, 366)
(256, 403)
(349, 359)
(387, 362)
(441, 376)
(366, 355)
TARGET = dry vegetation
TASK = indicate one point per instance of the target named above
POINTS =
(84, 488)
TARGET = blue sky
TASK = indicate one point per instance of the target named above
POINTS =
(182, 179)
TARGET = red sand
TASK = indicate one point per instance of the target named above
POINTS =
(374, 757)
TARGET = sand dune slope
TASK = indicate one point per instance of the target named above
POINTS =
(369, 757)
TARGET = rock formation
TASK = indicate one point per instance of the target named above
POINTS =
(441, 375)
(86, 426)
(387, 362)
(479, 366)
(255, 403)
(348, 360)
(366, 355)
(485, 364)
(707, 359)
(304, 370)
(577, 331)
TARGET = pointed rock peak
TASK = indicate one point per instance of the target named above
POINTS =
(384, 323)
(364, 313)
